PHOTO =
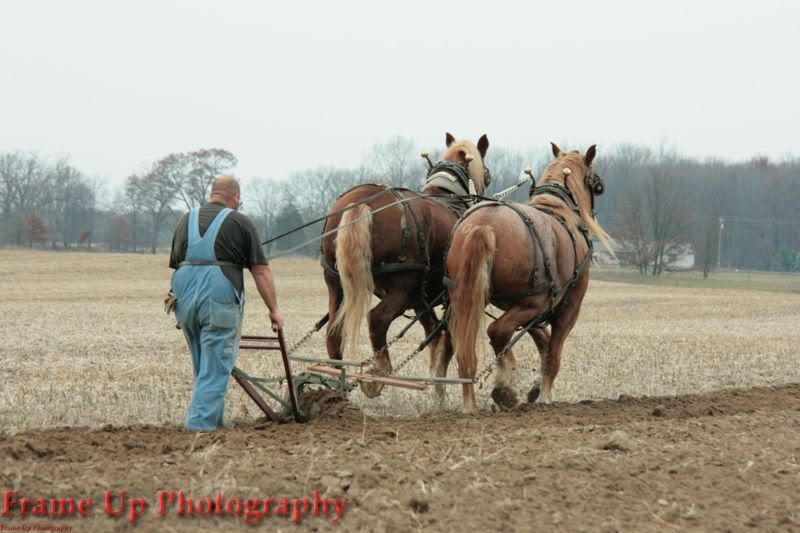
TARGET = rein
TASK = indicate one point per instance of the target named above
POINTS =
(336, 229)
(325, 217)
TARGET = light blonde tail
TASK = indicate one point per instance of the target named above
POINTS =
(354, 262)
(470, 294)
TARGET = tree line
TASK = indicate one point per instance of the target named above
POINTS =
(659, 205)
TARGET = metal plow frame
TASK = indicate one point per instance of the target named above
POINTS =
(334, 374)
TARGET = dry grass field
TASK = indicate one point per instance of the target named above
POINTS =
(85, 341)
(96, 382)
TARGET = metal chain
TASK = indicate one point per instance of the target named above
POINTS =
(371, 359)
(407, 359)
(486, 372)
(302, 341)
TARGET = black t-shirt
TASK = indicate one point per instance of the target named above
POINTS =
(237, 242)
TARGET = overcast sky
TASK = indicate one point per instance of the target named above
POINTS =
(291, 85)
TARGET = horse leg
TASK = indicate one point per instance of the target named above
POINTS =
(500, 332)
(541, 336)
(438, 352)
(380, 318)
(562, 325)
(333, 338)
(551, 364)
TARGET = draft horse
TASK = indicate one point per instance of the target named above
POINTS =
(396, 253)
(530, 260)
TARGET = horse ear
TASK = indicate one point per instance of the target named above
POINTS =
(590, 153)
(556, 149)
(483, 145)
(449, 139)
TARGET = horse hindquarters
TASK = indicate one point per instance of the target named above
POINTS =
(469, 264)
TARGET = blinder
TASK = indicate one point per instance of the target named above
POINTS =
(592, 180)
(487, 177)
(595, 183)
(457, 170)
(454, 171)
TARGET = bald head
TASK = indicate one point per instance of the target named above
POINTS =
(225, 184)
(225, 189)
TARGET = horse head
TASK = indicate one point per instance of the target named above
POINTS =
(574, 172)
(471, 156)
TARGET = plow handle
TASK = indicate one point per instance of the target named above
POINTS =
(289, 381)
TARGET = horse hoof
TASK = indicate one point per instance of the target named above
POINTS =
(533, 394)
(504, 397)
(371, 390)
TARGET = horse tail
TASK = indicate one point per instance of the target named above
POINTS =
(470, 293)
(354, 262)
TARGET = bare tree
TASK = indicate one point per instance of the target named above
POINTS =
(654, 215)
(506, 167)
(96, 188)
(160, 192)
(396, 162)
(37, 228)
(192, 173)
(267, 197)
(22, 183)
(118, 233)
(709, 246)
(621, 167)
(668, 207)
(636, 245)
(133, 201)
(65, 201)
(203, 166)
(315, 190)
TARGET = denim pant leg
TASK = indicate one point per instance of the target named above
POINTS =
(219, 346)
(192, 334)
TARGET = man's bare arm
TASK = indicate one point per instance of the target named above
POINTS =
(262, 275)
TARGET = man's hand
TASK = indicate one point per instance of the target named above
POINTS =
(277, 320)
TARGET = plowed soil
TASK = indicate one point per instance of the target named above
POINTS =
(717, 461)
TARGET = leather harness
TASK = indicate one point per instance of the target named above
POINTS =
(448, 175)
(547, 285)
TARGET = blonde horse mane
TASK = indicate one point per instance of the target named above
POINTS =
(554, 173)
(475, 167)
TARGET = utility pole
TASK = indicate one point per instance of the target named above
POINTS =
(719, 242)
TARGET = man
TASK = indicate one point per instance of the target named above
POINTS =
(210, 248)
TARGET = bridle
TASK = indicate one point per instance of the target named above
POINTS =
(458, 170)
(595, 184)
(591, 179)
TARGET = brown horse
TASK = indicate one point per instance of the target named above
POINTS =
(532, 262)
(397, 254)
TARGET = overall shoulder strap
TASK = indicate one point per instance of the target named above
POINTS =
(204, 247)
(213, 229)
(193, 226)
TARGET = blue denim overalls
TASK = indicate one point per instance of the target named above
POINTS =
(209, 312)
